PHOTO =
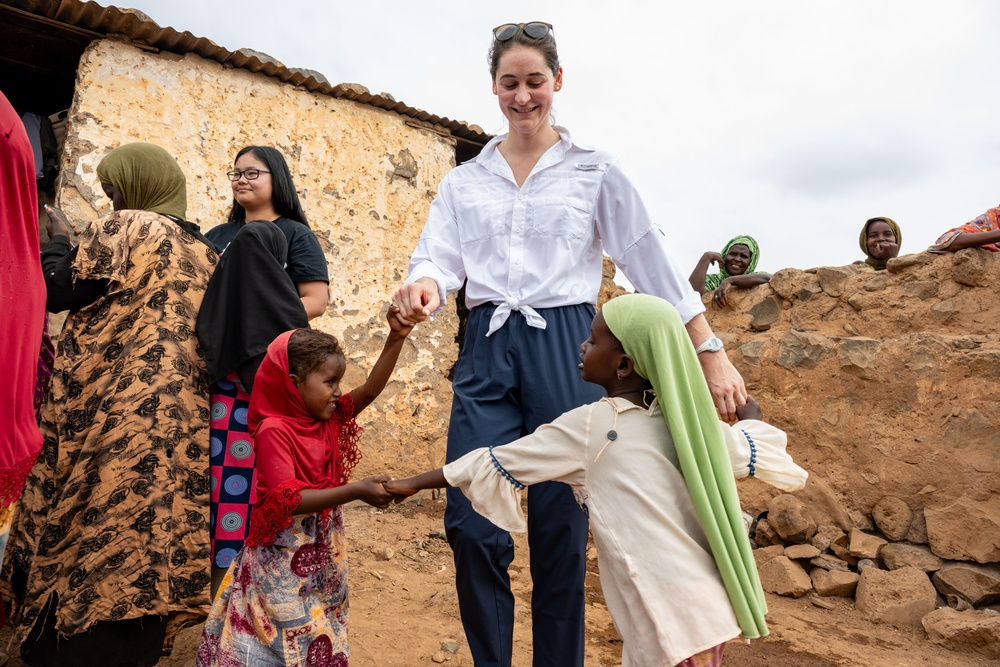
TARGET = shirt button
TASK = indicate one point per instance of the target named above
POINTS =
(517, 229)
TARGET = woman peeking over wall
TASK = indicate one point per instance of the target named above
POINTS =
(983, 232)
(880, 240)
(736, 263)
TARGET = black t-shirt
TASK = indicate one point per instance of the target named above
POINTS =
(306, 261)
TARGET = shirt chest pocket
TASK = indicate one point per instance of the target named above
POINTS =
(479, 218)
(569, 217)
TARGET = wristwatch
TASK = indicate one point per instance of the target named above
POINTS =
(712, 344)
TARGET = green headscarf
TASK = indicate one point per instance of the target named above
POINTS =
(879, 264)
(713, 280)
(651, 332)
(148, 178)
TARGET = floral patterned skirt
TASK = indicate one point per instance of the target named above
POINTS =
(284, 603)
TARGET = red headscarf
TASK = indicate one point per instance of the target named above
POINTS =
(22, 295)
(294, 449)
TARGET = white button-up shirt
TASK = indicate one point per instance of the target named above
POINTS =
(540, 245)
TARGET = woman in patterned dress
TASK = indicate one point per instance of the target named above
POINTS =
(108, 555)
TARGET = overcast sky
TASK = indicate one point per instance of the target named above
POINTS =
(790, 120)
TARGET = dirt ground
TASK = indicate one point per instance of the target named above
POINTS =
(404, 611)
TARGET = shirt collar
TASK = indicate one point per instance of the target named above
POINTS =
(489, 158)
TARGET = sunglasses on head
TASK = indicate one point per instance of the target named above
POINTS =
(534, 30)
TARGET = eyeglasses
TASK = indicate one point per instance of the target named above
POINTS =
(534, 30)
(249, 174)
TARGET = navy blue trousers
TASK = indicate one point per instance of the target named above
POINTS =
(505, 387)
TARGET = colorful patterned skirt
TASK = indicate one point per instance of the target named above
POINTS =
(285, 603)
(231, 461)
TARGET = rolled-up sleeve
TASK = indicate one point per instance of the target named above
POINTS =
(638, 247)
(492, 478)
(438, 254)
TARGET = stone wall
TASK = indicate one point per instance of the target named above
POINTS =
(366, 178)
(886, 383)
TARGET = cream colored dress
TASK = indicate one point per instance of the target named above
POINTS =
(660, 581)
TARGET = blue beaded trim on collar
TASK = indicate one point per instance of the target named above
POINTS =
(502, 471)
(753, 453)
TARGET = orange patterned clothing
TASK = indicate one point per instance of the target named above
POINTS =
(113, 523)
(987, 222)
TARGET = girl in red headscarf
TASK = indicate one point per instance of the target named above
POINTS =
(284, 598)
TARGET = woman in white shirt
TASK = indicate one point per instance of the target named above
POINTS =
(524, 225)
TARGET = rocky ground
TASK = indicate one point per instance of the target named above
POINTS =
(404, 611)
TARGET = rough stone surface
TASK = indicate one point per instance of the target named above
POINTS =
(801, 551)
(979, 585)
(909, 429)
(896, 555)
(787, 516)
(765, 554)
(783, 576)
(863, 545)
(765, 535)
(965, 631)
(825, 536)
(830, 562)
(833, 583)
(901, 597)
(892, 516)
(967, 529)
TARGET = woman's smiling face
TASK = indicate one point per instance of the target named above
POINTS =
(524, 86)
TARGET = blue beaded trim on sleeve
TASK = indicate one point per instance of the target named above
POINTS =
(502, 471)
(753, 453)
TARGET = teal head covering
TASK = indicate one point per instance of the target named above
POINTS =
(651, 332)
(713, 280)
(148, 178)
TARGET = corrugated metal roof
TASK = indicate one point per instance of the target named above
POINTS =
(139, 27)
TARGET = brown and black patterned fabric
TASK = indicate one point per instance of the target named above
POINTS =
(113, 522)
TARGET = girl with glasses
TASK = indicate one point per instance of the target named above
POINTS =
(272, 277)
(524, 226)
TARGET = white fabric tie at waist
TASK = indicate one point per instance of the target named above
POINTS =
(504, 309)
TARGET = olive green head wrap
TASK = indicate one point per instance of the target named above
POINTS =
(651, 332)
(873, 262)
(147, 177)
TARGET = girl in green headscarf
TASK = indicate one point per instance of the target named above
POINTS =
(737, 264)
(650, 465)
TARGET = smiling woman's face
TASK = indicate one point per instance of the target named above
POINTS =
(737, 260)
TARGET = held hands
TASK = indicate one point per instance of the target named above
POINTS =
(416, 301)
(401, 489)
(749, 410)
(372, 490)
(397, 326)
(725, 383)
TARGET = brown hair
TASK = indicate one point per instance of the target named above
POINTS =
(545, 45)
(308, 350)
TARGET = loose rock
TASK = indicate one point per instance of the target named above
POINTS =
(969, 631)
(892, 516)
(829, 584)
(896, 555)
(901, 597)
(979, 585)
(783, 576)
(787, 515)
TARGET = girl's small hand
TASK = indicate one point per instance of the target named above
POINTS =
(400, 489)
(750, 410)
(372, 490)
(397, 324)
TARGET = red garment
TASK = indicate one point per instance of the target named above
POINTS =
(22, 305)
(294, 450)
